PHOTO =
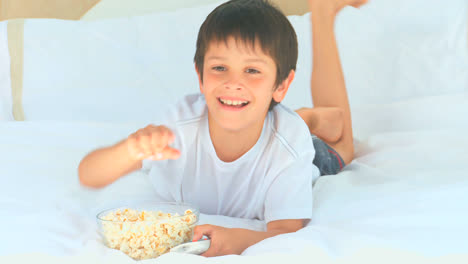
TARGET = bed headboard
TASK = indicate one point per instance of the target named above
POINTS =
(97, 9)
(16, 10)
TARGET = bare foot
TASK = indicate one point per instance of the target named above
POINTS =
(324, 122)
(335, 5)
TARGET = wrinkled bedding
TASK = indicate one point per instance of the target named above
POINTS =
(405, 192)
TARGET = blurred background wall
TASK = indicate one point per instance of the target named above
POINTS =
(95, 9)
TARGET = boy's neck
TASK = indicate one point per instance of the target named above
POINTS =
(231, 145)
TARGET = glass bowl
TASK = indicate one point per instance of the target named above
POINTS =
(149, 229)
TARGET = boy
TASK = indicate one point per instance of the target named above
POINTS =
(230, 150)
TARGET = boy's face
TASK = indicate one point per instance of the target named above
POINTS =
(239, 84)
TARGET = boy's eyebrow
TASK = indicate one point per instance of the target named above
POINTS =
(215, 58)
(247, 60)
(256, 60)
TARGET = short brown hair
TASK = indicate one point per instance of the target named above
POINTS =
(250, 21)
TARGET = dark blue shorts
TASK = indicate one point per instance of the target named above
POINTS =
(326, 158)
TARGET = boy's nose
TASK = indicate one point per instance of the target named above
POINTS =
(232, 87)
(234, 83)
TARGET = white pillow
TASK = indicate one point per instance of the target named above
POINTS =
(129, 69)
(6, 105)
(125, 69)
(392, 50)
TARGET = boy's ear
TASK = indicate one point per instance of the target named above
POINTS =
(280, 92)
(200, 83)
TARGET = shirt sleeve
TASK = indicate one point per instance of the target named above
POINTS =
(290, 193)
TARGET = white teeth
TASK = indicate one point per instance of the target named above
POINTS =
(230, 102)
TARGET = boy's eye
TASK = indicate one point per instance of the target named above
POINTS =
(252, 71)
(219, 68)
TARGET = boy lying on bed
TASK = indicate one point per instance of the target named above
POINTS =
(231, 150)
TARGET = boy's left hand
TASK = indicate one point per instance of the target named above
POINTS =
(224, 241)
(229, 241)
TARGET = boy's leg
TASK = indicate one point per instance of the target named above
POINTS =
(326, 126)
(327, 83)
(324, 122)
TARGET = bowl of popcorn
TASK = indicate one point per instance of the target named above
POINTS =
(147, 230)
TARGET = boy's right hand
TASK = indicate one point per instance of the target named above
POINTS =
(152, 142)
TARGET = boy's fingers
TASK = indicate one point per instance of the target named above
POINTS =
(172, 153)
(152, 142)
(145, 146)
(211, 252)
(196, 236)
(161, 139)
(206, 230)
(202, 230)
(166, 153)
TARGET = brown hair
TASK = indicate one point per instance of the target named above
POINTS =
(251, 21)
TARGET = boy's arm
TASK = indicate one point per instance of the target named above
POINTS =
(104, 166)
(226, 241)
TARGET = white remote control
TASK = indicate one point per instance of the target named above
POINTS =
(196, 248)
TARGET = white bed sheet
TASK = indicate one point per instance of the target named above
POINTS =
(406, 191)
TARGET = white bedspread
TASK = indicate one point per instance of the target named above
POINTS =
(406, 192)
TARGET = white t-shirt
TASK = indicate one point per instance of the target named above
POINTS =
(272, 181)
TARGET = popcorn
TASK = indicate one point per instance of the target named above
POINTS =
(146, 234)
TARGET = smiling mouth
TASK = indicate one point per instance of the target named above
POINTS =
(233, 103)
